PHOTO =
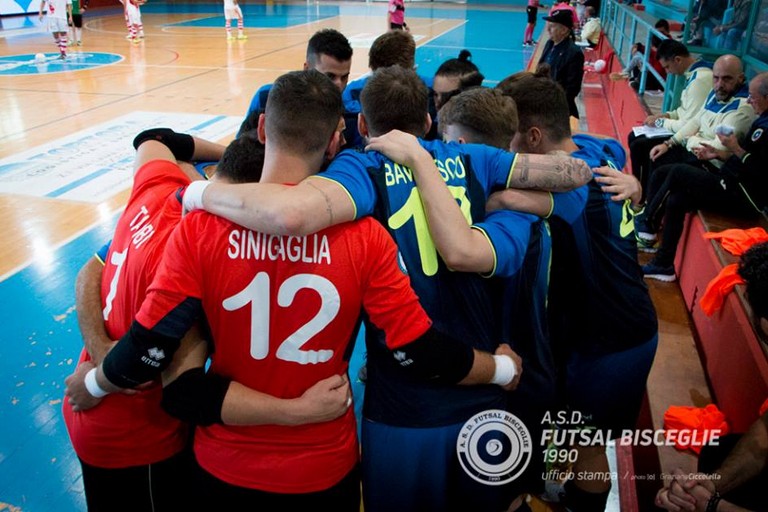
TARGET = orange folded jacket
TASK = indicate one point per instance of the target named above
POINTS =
(737, 241)
(699, 422)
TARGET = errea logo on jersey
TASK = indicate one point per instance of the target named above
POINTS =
(155, 356)
(402, 358)
(156, 353)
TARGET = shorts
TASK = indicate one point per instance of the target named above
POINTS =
(418, 470)
(77, 20)
(57, 25)
(219, 495)
(531, 12)
(133, 14)
(608, 389)
(233, 14)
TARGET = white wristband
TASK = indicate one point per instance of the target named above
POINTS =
(505, 370)
(92, 386)
(193, 196)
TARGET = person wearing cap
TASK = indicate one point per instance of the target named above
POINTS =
(564, 58)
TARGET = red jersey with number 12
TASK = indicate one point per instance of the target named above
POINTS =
(283, 311)
(133, 430)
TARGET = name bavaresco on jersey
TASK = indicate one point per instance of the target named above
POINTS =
(245, 244)
(450, 168)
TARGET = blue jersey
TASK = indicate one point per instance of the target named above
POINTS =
(458, 303)
(599, 302)
(257, 106)
(522, 289)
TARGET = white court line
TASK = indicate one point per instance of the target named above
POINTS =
(57, 246)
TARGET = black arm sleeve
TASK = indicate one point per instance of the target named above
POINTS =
(142, 354)
(436, 356)
(196, 397)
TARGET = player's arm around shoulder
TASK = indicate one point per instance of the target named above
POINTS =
(551, 172)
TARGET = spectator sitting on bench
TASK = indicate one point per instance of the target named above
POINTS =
(738, 185)
(677, 60)
(590, 32)
(734, 29)
(732, 474)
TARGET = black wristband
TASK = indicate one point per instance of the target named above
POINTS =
(713, 502)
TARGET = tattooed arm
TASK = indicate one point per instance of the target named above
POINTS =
(554, 172)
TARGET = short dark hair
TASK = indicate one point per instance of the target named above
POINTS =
(640, 47)
(243, 160)
(668, 49)
(661, 23)
(302, 111)
(487, 115)
(395, 98)
(328, 42)
(463, 68)
(753, 268)
(393, 48)
(540, 102)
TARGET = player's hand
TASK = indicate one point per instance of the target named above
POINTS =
(651, 120)
(620, 185)
(326, 400)
(730, 142)
(76, 393)
(707, 152)
(658, 150)
(399, 147)
(506, 350)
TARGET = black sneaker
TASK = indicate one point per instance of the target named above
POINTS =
(659, 272)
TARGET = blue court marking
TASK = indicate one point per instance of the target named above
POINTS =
(40, 346)
(493, 37)
(25, 64)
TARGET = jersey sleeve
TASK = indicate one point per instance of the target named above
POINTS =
(389, 300)
(349, 169)
(177, 278)
(101, 254)
(508, 233)
(569, 205)
(493, 166)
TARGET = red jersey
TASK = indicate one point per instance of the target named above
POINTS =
(133, 430)
(282, 312)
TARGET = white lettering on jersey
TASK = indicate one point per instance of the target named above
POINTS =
(245, 245)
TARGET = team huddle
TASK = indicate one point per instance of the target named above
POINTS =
(488, 253)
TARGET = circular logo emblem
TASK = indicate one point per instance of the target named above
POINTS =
(494, 447)
(756, 135)
(47, 63)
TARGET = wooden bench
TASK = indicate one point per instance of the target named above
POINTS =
(733, 354)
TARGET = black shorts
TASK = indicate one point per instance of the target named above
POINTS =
(77, 20)
(218, 495)
(396, 26)
(531, 12)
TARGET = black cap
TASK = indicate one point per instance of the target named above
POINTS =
(561, 16)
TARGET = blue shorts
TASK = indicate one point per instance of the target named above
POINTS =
(418, 470)
(608, 389)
